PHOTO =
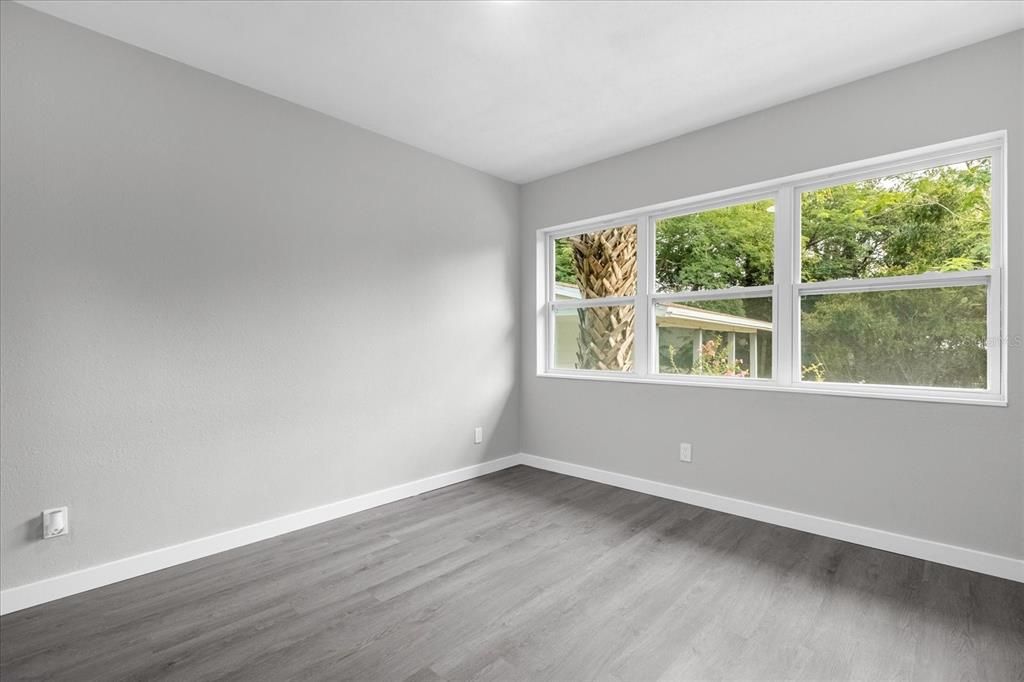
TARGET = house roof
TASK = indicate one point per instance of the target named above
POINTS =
(680, 315)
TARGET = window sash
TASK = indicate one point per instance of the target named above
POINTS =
(619, 301)
(732, 293)
(907, 283)
(787, 290)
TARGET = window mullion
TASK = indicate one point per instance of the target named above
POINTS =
(787, 243)
(642, 321)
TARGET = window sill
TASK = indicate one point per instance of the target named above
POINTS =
(977, 398)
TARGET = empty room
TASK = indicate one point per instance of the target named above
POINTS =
(511, 340)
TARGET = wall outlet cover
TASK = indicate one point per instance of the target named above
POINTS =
(55, 522)
(685, 452)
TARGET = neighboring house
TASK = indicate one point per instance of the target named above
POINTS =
(685, 329)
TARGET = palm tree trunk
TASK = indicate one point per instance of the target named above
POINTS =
(606, 266)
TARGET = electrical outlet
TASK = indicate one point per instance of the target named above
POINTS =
(478, 435)
(55, 522)
(685, 452)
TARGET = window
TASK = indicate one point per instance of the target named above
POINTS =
(880, 278)
(713, 273)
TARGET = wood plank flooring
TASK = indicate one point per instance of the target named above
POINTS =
(529, 575)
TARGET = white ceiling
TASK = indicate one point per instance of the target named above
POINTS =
(527, 89)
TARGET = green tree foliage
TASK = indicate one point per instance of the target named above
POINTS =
(913, 337)
(935, 220)
(725, 247)
(565, 268)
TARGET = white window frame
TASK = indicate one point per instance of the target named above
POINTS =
(787, 288)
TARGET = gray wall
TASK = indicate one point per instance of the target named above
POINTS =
(218, 307)
(950, 473)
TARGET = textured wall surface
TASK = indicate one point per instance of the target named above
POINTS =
(949, 473)
(219, 307)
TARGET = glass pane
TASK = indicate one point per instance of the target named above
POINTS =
(595, 338)
(724, 247)
(596, 264)
(937, 219)
(913, 337)
(715, 338)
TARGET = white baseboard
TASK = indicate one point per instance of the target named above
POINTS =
(961, 557)
(24, 596)
(32, 594)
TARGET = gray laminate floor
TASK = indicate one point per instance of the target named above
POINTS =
(525, 574)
